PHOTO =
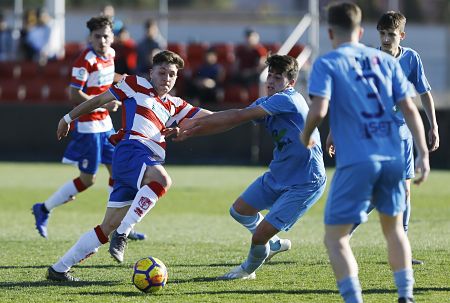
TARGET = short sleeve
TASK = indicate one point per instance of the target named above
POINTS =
(321, 80)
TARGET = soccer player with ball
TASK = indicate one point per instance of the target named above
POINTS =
(140, 178)
(362, 85)
(296, 176)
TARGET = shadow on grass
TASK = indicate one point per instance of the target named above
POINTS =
(46, 283)
(229, 264)
(113, 265)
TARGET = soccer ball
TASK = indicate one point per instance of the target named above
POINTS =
(149, 274)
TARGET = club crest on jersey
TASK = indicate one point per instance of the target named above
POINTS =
(81, 74)
(145, 203)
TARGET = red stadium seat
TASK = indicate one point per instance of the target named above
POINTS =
(272, 48)
(72, 50)
(225, 53)
(35, 90)
(11, 91)
(9, 70)
(58, 92)
(234, 94)
(196, 54)
(29, 70)
(56, 70)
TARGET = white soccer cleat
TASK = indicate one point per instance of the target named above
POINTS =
(238, 273)
(285, 246)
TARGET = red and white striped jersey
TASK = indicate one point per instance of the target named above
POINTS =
(93, 74)
(144, 114)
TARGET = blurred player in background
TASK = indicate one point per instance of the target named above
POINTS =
(92, 74)
(296, 177)
(140, 178)
(362, 85)
(391, 27)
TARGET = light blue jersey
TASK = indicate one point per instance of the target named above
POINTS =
(413, 69)
(361, 116)
(292, 163)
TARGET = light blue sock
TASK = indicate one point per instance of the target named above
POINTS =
(407, 215)
(350, 290)
(251, 223)
(404, 280)
(256, 257)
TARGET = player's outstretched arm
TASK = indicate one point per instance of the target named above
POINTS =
(415, 125)
(218, 122)
(317, 111)
(83, 108)
(433, 132)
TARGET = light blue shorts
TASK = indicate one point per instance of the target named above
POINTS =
(130, 160)
(286, 204)
(408, 149)
(355, 186)
(89, 150)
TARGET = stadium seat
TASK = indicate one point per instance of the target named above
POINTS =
(29, 70)
(196, 54)
(58, 92)
(72, 50)
(234, 94)
(56, 70)
(11, 91)
(272, 48)
(253, 92)
(9, 70)
(35, 90)
(225, 53)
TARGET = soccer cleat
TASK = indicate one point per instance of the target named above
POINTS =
(417, 262)
(60, 276)
(134, 235)
(117, 246)
(406, 300)
(41, 216)
(238, 273)
(285, 245)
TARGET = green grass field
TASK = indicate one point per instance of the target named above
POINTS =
(191, 231)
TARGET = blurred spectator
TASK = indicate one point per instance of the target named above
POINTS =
(148, 46)
(6, 40)
(126, 55)
(43, 38)
(29, 20)
(250, 58)
(109, 11)
(206, 84)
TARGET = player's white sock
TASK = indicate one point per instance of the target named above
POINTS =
(110, 185)
(145, 200)
(86, 246)
(65, 193)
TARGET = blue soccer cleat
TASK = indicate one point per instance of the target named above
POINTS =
(134, 235)
(41, 216)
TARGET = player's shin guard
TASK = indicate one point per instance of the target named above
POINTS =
(65, 193)
(407, 214)
(145, 200)
(350, 290)
(404, 280)
(256, 257)
(251, 223)
(86, 246)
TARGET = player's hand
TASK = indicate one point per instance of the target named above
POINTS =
(113, 106)
(170, 131)
(307, 141)
(433, 139)
(187, 130)
(329, 145)
(422, 168)
(63, 129)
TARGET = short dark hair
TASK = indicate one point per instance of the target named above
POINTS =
(283, 64)
(392, 20)
(168, 57)
(99, 22)
(345, 15)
